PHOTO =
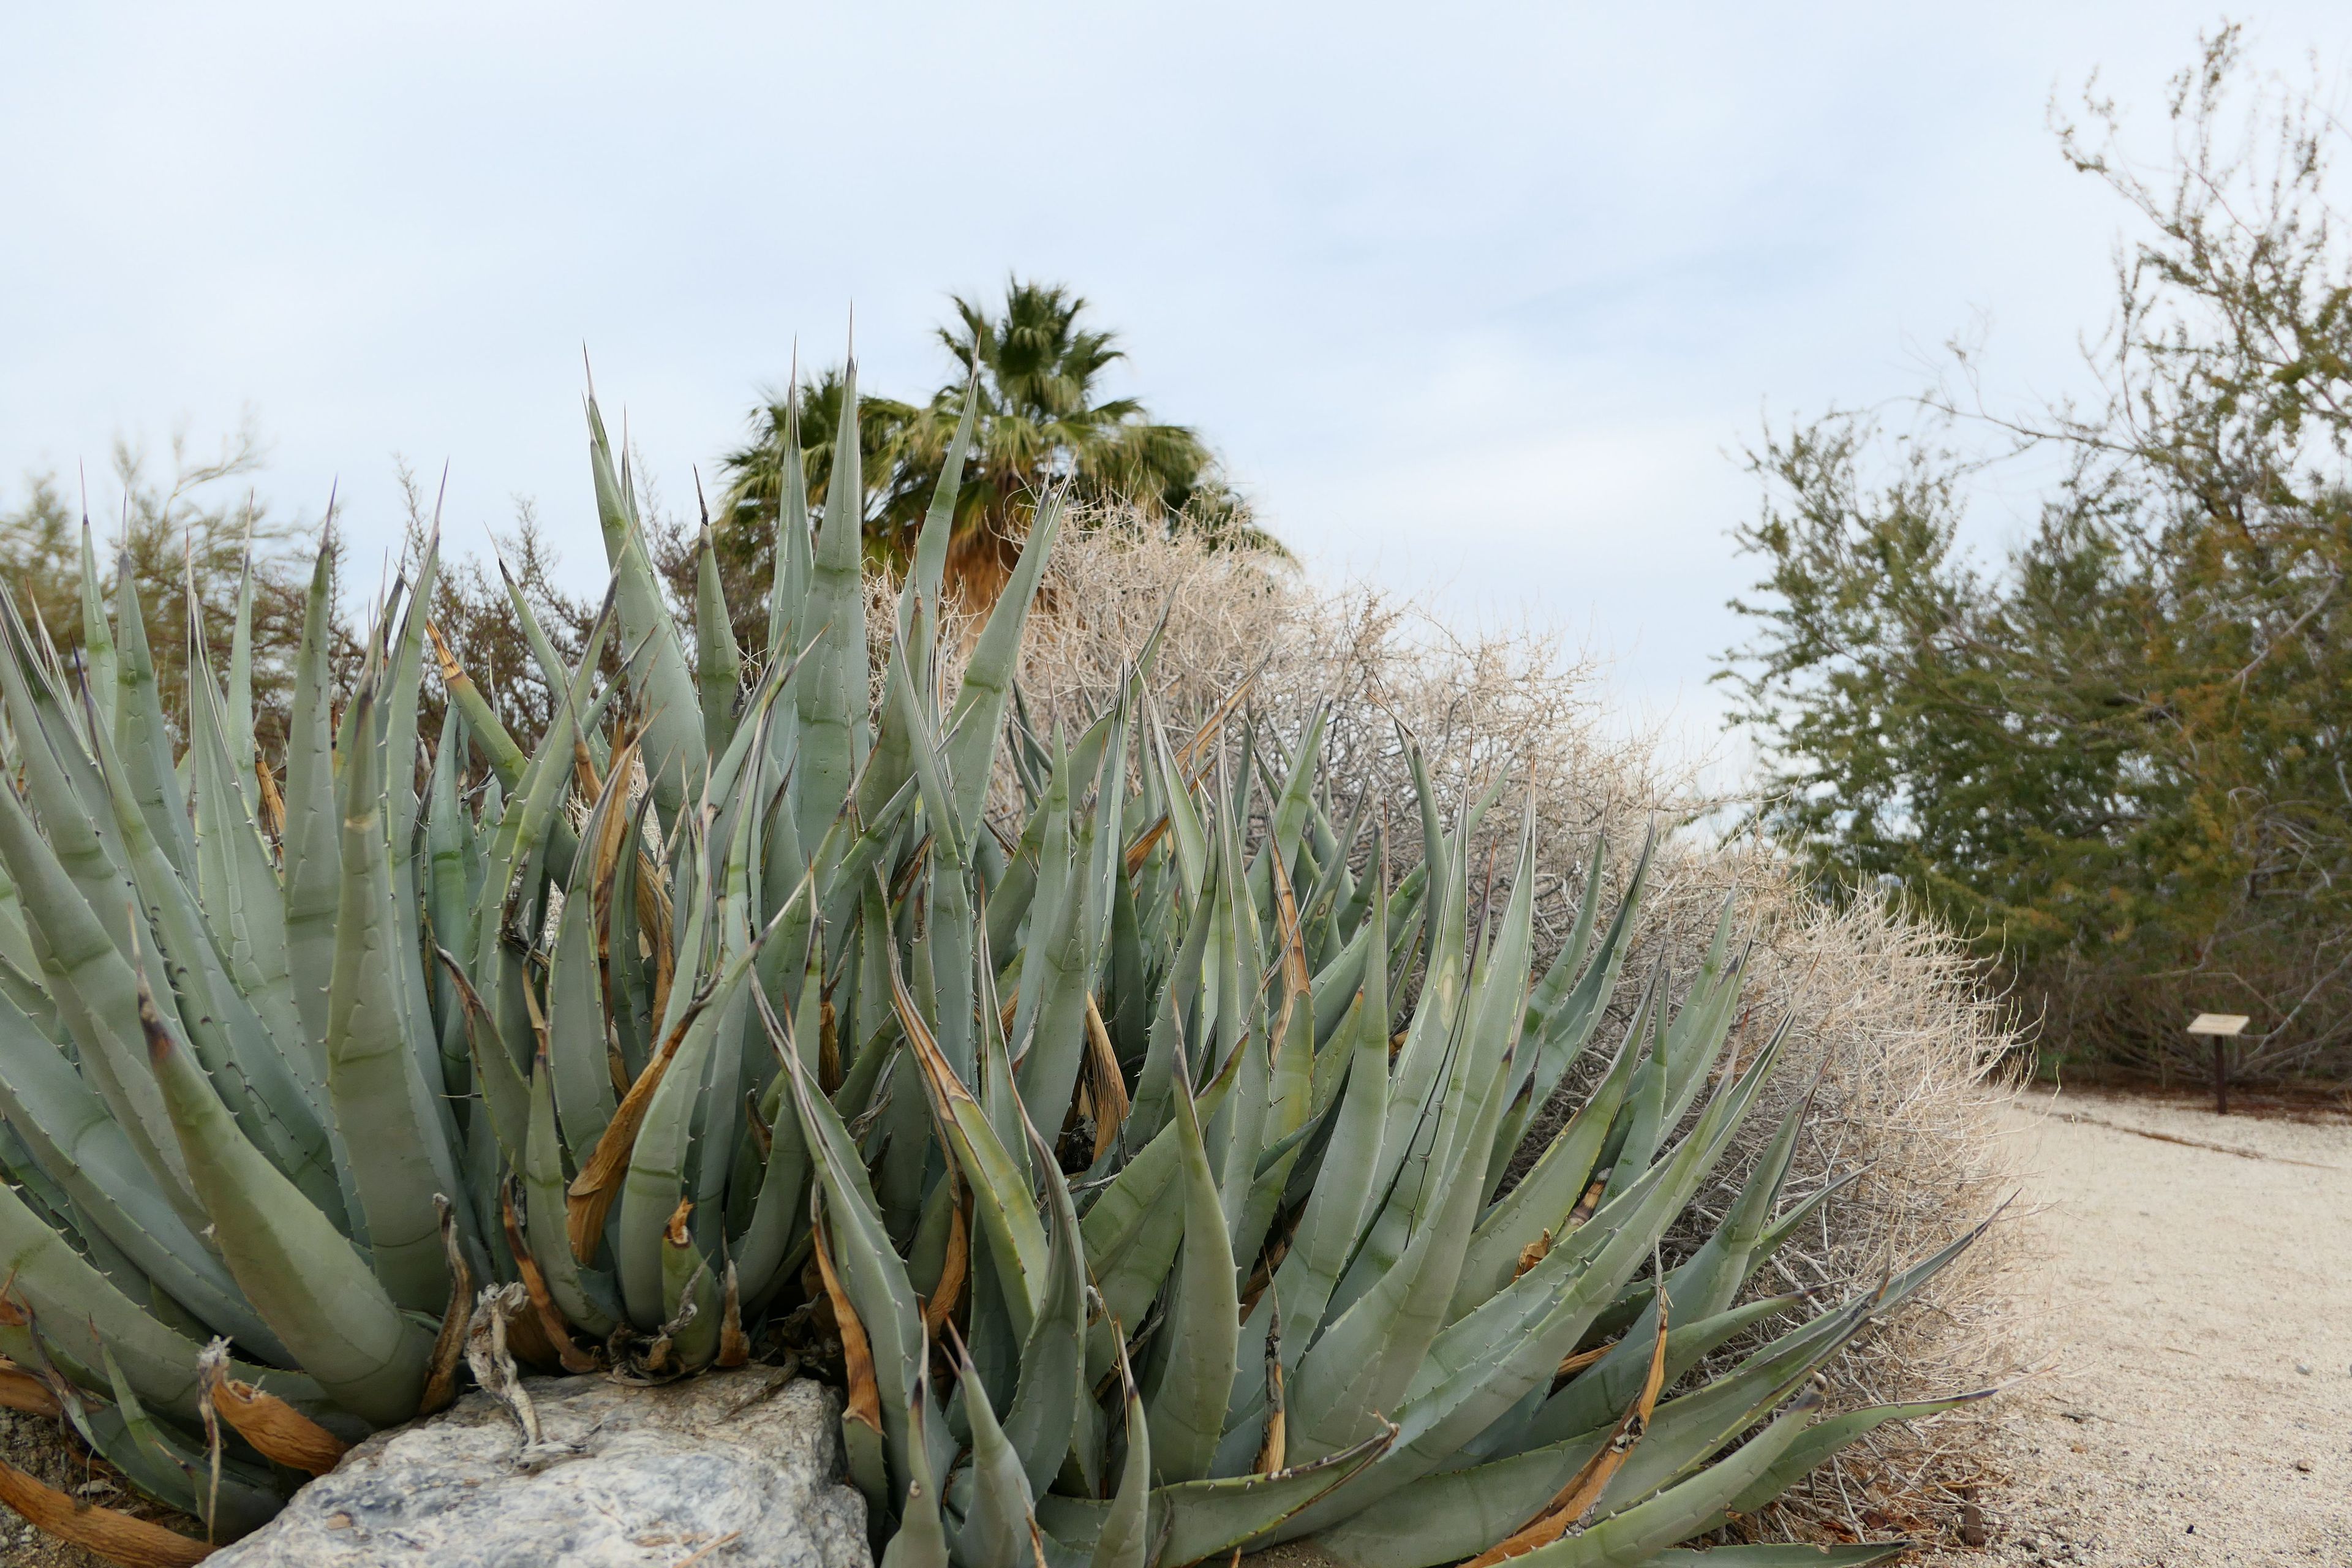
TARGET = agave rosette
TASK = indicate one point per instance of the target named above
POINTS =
(1141, 1133)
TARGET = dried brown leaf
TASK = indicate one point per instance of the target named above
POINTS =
(118, 1537)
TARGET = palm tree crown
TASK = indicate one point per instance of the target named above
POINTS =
(1042, 419)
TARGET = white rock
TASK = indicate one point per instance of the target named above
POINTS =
(741, 1467)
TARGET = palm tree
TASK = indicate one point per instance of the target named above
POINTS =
(1041, 420)
(1040, 423)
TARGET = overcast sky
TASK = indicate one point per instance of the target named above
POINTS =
(1476, 301)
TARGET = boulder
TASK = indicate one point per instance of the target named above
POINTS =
(722, 1471)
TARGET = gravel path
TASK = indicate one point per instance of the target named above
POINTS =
(2199, 1306)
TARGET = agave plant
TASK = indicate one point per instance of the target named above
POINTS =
(1142, 1136)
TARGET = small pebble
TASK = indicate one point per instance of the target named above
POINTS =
(2304, 1367)
(2304, 1465)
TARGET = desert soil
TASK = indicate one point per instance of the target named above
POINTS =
(2198, 1306)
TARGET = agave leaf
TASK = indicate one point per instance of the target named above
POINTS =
(1327, 1229)
(272, 1103)
(542, 1175)
(861, 1418)
(1695, 1425)
(718, 663)
(1046, 1398)
(977, 716)
(393, 1136)
(506, 758)
(1132, 1232)
(1129, 1017)
(1367, 1357)
(18, 962)
(999, 1522)
(872, 1273)
(88, 1153)
(1635, 1221)
(84, 1314)
(96, 998)
(1822, 1442)
(690, 1300)
(1453, 1514)
(1022, 1252)
(531, 826)
(1295, 802)
(1407, 1182)
(1609, 1382)
(598, 1185)
(1692, 1426)
(1577, 1499)
(920, 1541)
(1482, 1070)
(925, 583)
(62, 785)
(1290, 1089)
(1484, 1366)
(97, 632)
(1194, 1521)
(1123, 1537)
(772, 1236)
(1183, 822)
(1187, 1409)
(240, 680)
(1709, 1281)
(126, 1436)
(832, 701)
(1569, 1022)
(675, 756)
(658, 1154)
(229, 1502)
(1694, 1039)
(1147, 1113)
(139, 733)
(658, 1172)
(1547, 1193)
(1570, 963)
(902, 733)
(309, 1285)
(794, 557)
(312, 845)
(949, 922)
(1344, 974)
(242, 900)
(552, 667)
(402, 741)
(583, 1078)
(1625, 1539)
(406, 670)
(502, 1095)
(1059, 971)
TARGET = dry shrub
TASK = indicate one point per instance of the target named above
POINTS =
(1891, 1015)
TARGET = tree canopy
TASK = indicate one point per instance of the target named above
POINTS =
(187, 539)
(2118, 757)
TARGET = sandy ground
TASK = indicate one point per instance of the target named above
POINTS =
(2198, 1305)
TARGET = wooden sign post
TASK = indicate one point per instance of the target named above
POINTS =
(2220, 1026)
